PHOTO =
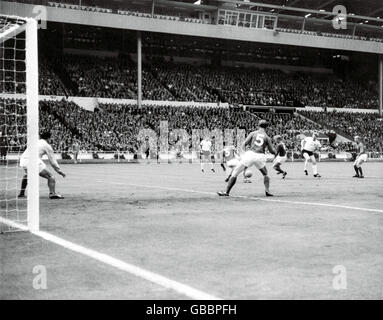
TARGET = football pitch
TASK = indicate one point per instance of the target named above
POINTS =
(159, 231)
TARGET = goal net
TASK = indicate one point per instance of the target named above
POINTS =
(18, 122)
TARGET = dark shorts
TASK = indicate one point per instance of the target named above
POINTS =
(206, 154)
(3, 152)
(310, 153)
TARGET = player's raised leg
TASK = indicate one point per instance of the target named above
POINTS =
(277, 167)
(280, 157)
(257, 141)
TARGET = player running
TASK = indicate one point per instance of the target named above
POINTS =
(309, 146)
(280, 156)
(206, 154)
(44, 148)
(360, 158)
(257, 141)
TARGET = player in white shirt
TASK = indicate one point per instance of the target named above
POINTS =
(309, 145)
(206, 154)
(44, 149)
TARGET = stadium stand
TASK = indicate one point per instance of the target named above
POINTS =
(111, 78)
(117, 126)
(117, 78)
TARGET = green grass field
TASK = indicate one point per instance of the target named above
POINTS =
(168, 219)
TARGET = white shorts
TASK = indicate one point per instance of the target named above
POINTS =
(279, 160)
(251, 158)
(233, 163)
(24, 164)
(362, 158)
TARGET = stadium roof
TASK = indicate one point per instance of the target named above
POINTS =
(319, 8)
(368, 8)
(372, 8)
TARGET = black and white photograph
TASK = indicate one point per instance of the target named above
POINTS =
(213, 151)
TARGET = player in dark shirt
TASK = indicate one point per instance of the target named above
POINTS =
(147, 149)
(280, 157)
(257, 141)
(360, 158)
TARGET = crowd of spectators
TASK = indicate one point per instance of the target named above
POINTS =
(120, 127)
(117, 127)
(366, 125)
(49, 82)
(117, 78)
(13, 76)
(112, 77)
(13, 123)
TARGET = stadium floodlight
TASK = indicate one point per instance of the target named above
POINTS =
(19, 121)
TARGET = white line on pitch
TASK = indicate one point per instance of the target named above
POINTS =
(119, 264)
(250, 198)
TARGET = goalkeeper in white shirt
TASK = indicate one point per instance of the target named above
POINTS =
(44, 149)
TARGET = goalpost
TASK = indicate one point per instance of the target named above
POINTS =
(19, 122)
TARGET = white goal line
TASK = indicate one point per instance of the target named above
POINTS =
(118, 264)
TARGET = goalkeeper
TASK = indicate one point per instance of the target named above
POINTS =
(44, 149)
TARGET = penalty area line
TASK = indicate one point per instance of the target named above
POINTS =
(118, 264)
(319, 204)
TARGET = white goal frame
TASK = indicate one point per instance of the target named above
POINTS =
(32, 103)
